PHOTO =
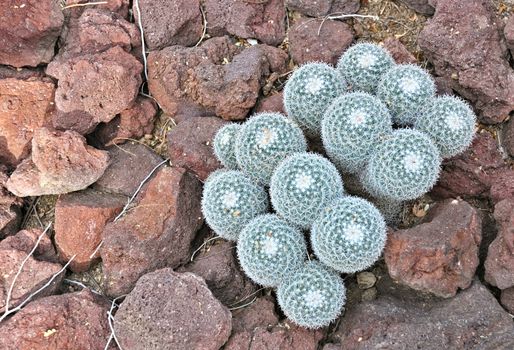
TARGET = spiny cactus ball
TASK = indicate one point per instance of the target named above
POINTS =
(404, 89)
(224, 145)
(309, 92)
(313, 296)
(269, 250)
(230, 200)
(403, 167)
(351, 127)
(349, 235)
(265, 140)
(302, 186)
(450, 122)
(363, 64)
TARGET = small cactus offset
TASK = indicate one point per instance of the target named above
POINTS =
(403, 167)
(349, 235)
(224, 145)
(363, 64)
(269, 250)
(264, 141)
(450, 122)
(351, 127)
(302, 186)
(309, 92)
(230, 200)
(404, 89)
(313, 296)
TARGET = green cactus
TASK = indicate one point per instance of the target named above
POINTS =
(224, 145)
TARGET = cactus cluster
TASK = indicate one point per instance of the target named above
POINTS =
(386, 136)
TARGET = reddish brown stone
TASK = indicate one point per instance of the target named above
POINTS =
(508, 32)
(321, 8)
(80, 219)
(94, 88)
(61, 162)
(421, 6)
(468, 50)
(190, 145)
(306, 45)
(473, 319)
(36, 271)
(502, 185)
(441, 254)
(157, 232)
(140, 159)
(28, 31)
(121, 7)
(399, 52)
(133, 123)
(508, 136)
(25, 105)
(273, 103)
(507, 299)
(219, 268)
(261, 20)
(499, 265)
(10, 208)
(190, 317)
(69, 321)
(472, 172)
(170, 22)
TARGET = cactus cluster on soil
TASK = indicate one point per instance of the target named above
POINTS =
(384, 133)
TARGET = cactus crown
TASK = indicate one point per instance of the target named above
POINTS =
(403, 167)
(224, 145)
(265, 140)
(404, 89)
(450, 122)
(363, 64)
(269, 250)
(349, 235)
(351, 127)
(309, 92)
(313, 296)
(230, 200)
(303, 185)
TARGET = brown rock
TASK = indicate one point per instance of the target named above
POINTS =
(25, 105)
(472, 172)
(120, 7)
(170, 22)
(93, 88)
(507, 299)
(508, 136)
(508, 32)
(191, 318)
(190, 145)
(220, 270)
(323, 7)
(80, 219)
(499, 265)
(35, 273)
(133, 123)
(468, 50)
(140, 159)
(502, 185)
(261, 20)
(421, 6)
(69, 321)
(473, 319)
(441, 254)
(29, 31)
(399, 52)
(306, 45)
(272, 103)
(157, 232)
(61, 162)
(10, 208)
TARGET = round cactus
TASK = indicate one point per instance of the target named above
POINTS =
(363, 64)
(302, 186)
(269, 250)
(313, 296)
(351, 127)
(264, 141)
(349, 235)
(450, 122)
(224, 145)
(309, 92)
(404, 89)
(230, 200)
(403, 167)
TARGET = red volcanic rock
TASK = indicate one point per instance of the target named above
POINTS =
(321, 8)
(399, 52)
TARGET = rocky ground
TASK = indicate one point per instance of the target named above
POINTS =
(86, 124)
